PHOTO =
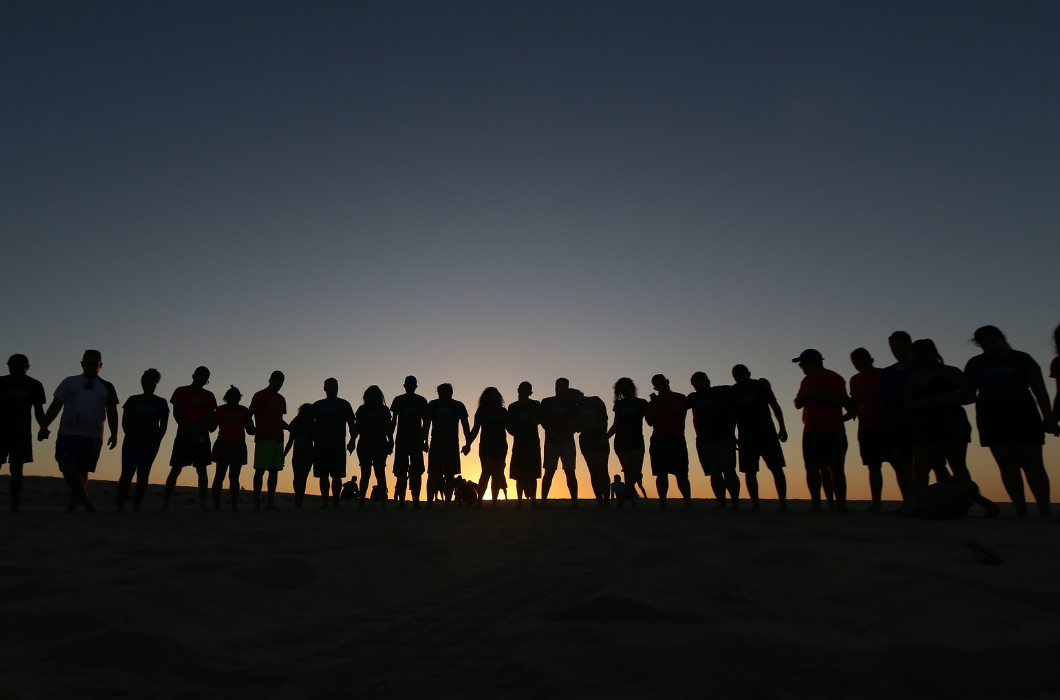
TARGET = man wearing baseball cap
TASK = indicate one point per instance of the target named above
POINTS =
(822, 397)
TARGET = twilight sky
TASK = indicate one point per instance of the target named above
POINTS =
(483, 193)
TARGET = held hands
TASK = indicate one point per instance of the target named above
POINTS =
(350, 445)
(426, 445)
(466, 449)
(783, 435)
(112, 441)
(43, 434)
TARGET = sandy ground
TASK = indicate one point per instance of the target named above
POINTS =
(511, 603)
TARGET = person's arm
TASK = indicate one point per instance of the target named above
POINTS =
(470, 438)
(249, 425)
(351, 422)
(124, 420)
(163, 425)
(1041, 395)
(467, 430)
(775, 405)
(38, 412)
(1056, 401)
(426, 433)
(290, 443)
(611, 430)
(112, 423)
(965, 393)
(49, 416)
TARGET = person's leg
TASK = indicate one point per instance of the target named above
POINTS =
(273, 475)
(781, 482)
(717, 485)
(551, 463)
(336, 490)
(219, 471)
(204, 485)
(568, 456)
(16, 485)
(366, 478)
(875, 484)
(87, 502)
(662, 484)
(903, 474)
(1011, 476)
(259, 475)
(813, 483)
(836, 469)
(751, 481)
(380, 479)
(484, 479)
(233, 484)
(301, 480)
(627, 460)
(171, 483)
(732, 485)
(1029, 456)
(686, 489)
(825, 474)
(324, 484)
(546, 483)
(143, 477)
(128, 471)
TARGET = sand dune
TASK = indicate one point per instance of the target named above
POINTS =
(518, 603)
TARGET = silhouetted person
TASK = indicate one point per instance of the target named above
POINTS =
(617, 488)
(822, 397)
(867, 406)
(1012, 414)
(1054, 372)
(300, 438)
(941, 431)
(144, 420)
(332, 417)
(465, 493)
(230, 448)
(409, 410)
(21, 397)
(446, 415)
(948, 500)
(350, 490)
(894, 386)
(375, 441)
(267, 409)
(759, 441)
(492, 419)
(628, 431)
(595, 447)
(559, 418)
(668, 450)
(715, 425)
(524, 417)
(86, 400)
(193, 412)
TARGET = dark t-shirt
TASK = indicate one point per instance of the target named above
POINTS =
(524, 416)
(1001, 379)
(232, 424)
(894, 385)
(559, 417)
(493, 424)
(712, 413)
(629, 423)
(373, 422)
(445, 415)
(18, 395)
(592, 421)
(332, 416)
(410, 411)
(142, 417)
(750, 407)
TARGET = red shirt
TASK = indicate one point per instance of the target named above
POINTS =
(868, 402)
(671, 425)
(819, 416)
(231, 424)
(193, 406)
(269, 408)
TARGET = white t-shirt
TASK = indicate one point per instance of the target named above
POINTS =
(85, 410)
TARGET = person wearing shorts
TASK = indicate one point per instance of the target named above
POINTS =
(375, 442)
(715, 425)
(822, 397)
(86, 401)
(408, 411)
(193, 412)
(627, 428)
(332, 417)
(445, 415)
(21, 398)
(668, 450)
(559, 418)
(300, 439)
(894, 386)
(867, 406)
(230, 448)
(267, 409)
(759, 440)
(595, 447)
(491, 418)
(524, 418)
(144, 420)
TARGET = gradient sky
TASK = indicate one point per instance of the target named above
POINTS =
(483, 193)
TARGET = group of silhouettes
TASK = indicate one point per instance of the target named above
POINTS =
(910, 414)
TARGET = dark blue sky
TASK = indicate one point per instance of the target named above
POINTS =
(483, 193)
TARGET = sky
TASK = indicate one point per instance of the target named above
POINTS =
(483, 193)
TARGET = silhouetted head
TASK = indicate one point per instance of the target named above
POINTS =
(18, 364)
(232, 396)
(490, 398)
(373, 395)
(410, 384)
(810, 361)
(445, 391)
(575, 395)
(149, 380)
(91, 362)
(200, 377)
(700, 381)
(331, 387)
(925, 354)
(625, 389)
(618, 479)
(305, 414)
(562, 385)
(991, 340)
(276, 380)
(861, 359)
(660, 383)
(901, 346)
(740, 374)
(525, 390)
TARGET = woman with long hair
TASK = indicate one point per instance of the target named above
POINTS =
(375, 440)
(628, 431)
(492, 419)
(1012, 414)
(301, 438)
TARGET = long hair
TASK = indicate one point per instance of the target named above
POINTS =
(926, 346)
(490, 397)
(373, 395)
(984, 332)
(625, 389)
